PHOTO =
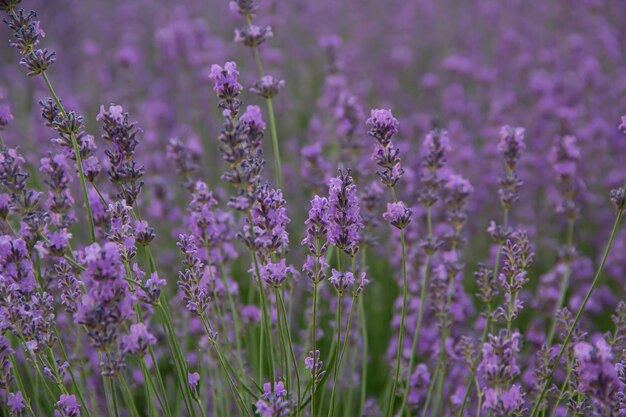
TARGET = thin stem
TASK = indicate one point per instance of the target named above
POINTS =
(363, 357)
(336, 370)
(79, 162)
(564, 283)
(270, 112)
(496, 267)
(594, 284)
(405, 296)
(314, 373)
(291, 349)
(420, 313)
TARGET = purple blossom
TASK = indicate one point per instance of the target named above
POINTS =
(193, 379)
(398, 214)
(505, 402)
(342, 281)
(314, 365)
(382, 125)
(16, 403)
(597, 375)
(227, 86)
(243, 7)
(267, 86)
(275, 274)
(67, 406)
(510, 146)
(274, 402)
(317, 226)
(5, 115)
(253, 35)
(267, 233)
(344, 214)
(138, 340)
(252, 118)
(121, 134)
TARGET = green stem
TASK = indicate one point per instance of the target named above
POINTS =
(79, 162)
(270, 112)
(336, 369)
(291, 349)
(363, 357)
(314, 371)
(564, 284)
(594, 284)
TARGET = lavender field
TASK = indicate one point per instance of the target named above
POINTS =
(327, 208)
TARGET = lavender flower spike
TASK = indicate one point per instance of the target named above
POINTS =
(344, 214)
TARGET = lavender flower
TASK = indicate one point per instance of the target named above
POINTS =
(193, 379)
(16, 403)
(107, 304)
(398, 214)
(194, 292)
(597, 376)
(121, 134)
(344, 214)
(510, 146)
(138, 340)
(267, 86)
(317, 227)
(245, 8)
(518, 255)
(253, 35)
(275, 274)
(383, 127)
(315, 366)
(267, 233)
(227, 86)
(274, 403)
(5, 115)
(498, 368)
(342, 281)
(67, 407)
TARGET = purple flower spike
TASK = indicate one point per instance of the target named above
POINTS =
(398, 214)
(267, 86)
(16, 403)
(193, 379)
(138, 340)
(253, 35)
(227, 87)
(275, 274)
(274, 403)
(342, 281)
(243, 7)
(344, 214)
(5, 115)
(67, 407)
(382, 125)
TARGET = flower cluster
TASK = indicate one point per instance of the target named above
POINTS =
(121, 134)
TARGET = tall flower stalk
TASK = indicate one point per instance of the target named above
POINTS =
(253, 36)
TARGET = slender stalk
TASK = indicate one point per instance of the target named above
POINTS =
(594, 284)
(405, 295)
(291, 349)
(564, 283)
(314, 375)
(79, 162)
(336, 369)
(20, 384)
(363, 357)
(270, 112)
(483, 339)
(420, 313)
